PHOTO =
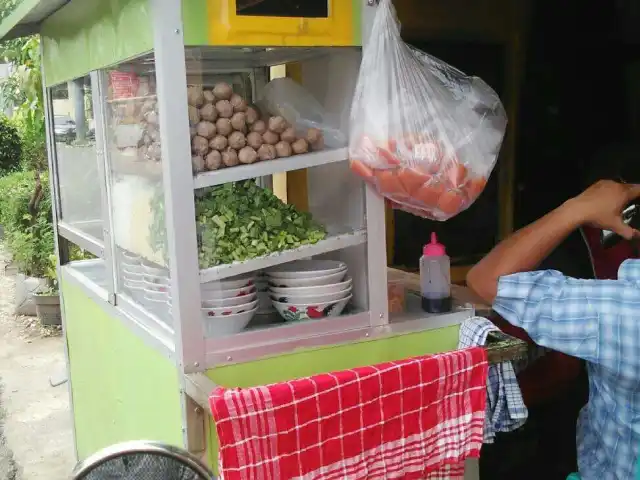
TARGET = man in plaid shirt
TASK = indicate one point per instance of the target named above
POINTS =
(596, 320)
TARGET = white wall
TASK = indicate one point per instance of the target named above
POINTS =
(5, 71)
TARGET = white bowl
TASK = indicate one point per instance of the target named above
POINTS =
(307, 299)
(153, 270)
(229, 283)
(134, 284)
(131, 258)
(156, 296)
(229, 302)
(132, 275)
(157, 302)
(307, 282)
(136, 290)
(132, 268)
(317, 311)
(227, 325)
(317, 290)
(226, 311)
(157, 287)
(158, 280)
(307, 269)
(224, 294)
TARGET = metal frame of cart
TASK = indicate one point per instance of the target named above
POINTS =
(132, 374)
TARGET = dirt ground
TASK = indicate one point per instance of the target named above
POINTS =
(36, 440)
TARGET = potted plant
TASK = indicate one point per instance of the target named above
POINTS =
(48, 301)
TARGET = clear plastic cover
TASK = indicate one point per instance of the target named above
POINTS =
(77, 157)
(135, 174)
(426, 135)
(285, 97)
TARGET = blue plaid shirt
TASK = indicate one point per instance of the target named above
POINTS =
(598, 321)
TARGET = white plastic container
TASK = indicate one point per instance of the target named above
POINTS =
(435, 277)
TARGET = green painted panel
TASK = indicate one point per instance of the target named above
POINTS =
(89, 34)
(21, 10)
(337, 357)
(122, 389)
(357, 22)
(196, 22)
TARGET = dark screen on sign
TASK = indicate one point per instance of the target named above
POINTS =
(283, 8)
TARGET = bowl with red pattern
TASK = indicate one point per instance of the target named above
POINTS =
(231, 310)
(227, 324)
(311, 311)
(243, 281)
(220, 294)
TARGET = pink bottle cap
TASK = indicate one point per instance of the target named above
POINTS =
(434, 249)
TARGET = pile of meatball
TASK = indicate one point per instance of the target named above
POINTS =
(226, 131)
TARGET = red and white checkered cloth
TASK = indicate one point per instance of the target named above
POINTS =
(413, 419)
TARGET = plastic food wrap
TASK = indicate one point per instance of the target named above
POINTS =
(284, 97)
(423, 133)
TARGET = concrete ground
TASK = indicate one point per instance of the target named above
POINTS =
(36, 439)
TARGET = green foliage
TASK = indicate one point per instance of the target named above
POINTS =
(34, 149)
(7, 7)
(10, 147)
(25, 208)
(29, 236)
(22, 92)
(15, 190)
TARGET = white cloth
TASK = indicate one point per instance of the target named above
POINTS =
(506, 410)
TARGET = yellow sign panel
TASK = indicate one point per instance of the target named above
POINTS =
(227, 27)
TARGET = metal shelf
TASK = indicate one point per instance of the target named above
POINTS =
(333, 242)
(269, 167)
(210, 59)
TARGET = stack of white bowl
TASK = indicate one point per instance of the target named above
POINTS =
(228, 305)
(132, 275)
(265, 307)
(157, 289)
(310, 289)
(147, 283)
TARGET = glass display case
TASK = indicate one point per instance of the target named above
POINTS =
(168, 172)
(79, 177)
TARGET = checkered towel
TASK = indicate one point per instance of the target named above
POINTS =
(413, 419)
(506, 410)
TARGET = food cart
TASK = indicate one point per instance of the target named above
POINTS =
(129, 73)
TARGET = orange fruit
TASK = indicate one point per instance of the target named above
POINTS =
(455, 174)
(429, 193)
(360, 169)
(388, 182)
(412, 179)
(389, 158)
(450, 202)
(475, 186)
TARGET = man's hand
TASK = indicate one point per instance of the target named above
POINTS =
(601, 206)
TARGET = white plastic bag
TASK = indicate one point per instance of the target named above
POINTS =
(284, 97)
(426, 135)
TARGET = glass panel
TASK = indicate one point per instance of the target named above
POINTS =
(240, 131)
(283, 8)
(135, 176)
(77, 158)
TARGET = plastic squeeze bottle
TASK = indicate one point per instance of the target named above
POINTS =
(435, 277)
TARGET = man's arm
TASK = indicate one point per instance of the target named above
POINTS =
(523, 251)
(600, 205)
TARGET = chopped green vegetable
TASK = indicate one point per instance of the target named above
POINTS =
(240, 221)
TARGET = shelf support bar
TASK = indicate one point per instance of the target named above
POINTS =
(171, 78)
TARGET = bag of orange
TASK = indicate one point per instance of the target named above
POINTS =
(423, 133)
